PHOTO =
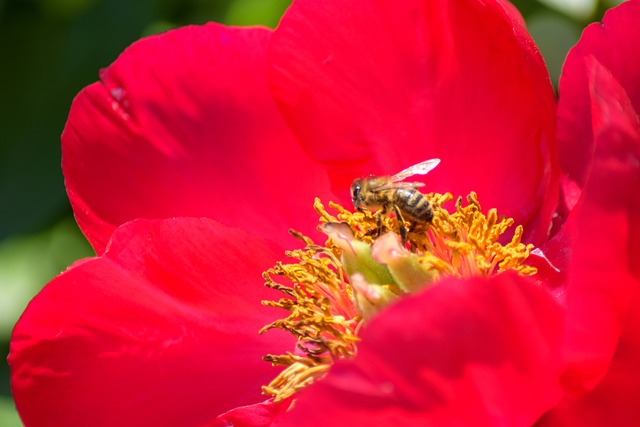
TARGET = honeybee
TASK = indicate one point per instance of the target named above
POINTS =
(384, 193)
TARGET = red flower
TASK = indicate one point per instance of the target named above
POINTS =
(184, 174)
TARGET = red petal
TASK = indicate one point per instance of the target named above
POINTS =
(603, 321)
(614, 401)
(614, 43)
(182, 124)
(464, 353)
(603, 274)
(159, 331)
(263, 414)
(376, 86)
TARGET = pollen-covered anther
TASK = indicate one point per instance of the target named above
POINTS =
(300, 373)
(322, 316)
(469, 240)
(465, 242)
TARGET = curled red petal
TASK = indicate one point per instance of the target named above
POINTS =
(604, 277)
(374, 87)
(603, 297)
(473, 352)
(183, 124)
(159, 331)
(553, 257)
(614, 44)
(263, 414)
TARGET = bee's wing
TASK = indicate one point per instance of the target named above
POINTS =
(419, 169)
(396, 185)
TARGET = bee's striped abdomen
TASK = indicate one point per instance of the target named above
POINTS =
(413, 204)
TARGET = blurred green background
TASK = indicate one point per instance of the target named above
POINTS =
(51, 49)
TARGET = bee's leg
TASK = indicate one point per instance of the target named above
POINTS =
(379, 223)
(401, 227)
(377, 231)
(372, 233)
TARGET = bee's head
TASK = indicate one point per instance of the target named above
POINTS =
(356, 188)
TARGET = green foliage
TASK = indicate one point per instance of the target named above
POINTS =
(555, 34)
(28, 262)
(8, 415)
(252, 12)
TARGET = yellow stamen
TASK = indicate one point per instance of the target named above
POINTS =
(325, 311)
(467, 241)
(323, 316)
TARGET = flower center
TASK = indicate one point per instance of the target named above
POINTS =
(331, 290)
